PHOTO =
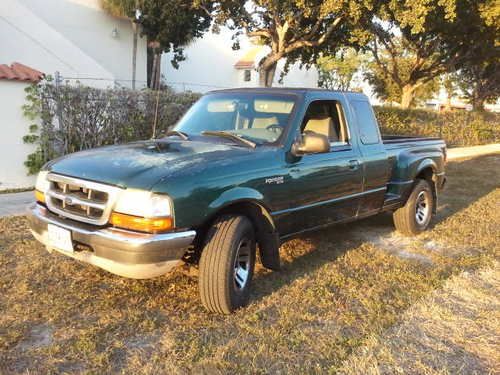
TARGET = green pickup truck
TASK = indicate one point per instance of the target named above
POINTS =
(244, 169)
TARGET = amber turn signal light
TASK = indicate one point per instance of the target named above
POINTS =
(39, 196)
(141, 224)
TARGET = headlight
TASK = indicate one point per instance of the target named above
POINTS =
(41, 186)
(143, 203)
(143, 211)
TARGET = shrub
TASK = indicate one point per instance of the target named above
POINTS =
(73, 118)
(458, 128)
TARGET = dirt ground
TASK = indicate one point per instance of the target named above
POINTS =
(355, 299)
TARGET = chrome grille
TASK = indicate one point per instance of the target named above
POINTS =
(81, 200)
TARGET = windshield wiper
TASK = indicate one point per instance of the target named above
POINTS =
(232, 136)
(178, 133)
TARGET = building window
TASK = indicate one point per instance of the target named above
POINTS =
(247, 75)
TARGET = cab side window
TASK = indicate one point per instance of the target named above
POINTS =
(326, 117)
(367, 124)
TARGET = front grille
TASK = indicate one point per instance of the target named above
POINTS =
(81, 200)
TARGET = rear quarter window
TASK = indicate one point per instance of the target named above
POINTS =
(368, 128)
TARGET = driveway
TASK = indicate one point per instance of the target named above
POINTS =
(473, 151)
(15, 203)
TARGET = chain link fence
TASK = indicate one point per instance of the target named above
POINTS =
(70, 116)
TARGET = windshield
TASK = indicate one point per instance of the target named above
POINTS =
(259, 118)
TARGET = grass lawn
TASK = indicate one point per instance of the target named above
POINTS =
(353, 299)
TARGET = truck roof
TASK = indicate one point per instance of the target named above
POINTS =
(284, 90)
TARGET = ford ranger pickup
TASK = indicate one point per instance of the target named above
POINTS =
(244, 169)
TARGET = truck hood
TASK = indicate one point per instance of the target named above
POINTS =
(141, 165)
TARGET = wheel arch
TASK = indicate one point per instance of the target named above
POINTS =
(427, 171)
(265, 230)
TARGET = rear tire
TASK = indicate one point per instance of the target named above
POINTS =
(414, 217)
(227, 264)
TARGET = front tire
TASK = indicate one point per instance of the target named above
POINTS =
(227, 264)
(414, 217)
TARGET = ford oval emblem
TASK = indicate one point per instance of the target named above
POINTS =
(68, 200)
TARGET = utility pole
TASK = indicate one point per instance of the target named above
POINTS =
(134, 54)
(135, 28)
(57, 82)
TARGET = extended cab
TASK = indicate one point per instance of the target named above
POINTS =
(242, 168)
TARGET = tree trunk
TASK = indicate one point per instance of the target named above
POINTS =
(266, 74)
(407, 96)
(478, 104)
(478, 97)
(134, 54)
(156, 71)
(152, 81)
(447, 106)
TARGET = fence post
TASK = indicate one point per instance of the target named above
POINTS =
(57, 81)
(156, 113)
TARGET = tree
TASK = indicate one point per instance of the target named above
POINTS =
(436, 36)
(406, 48)
(337, 72)
(168, 25)
(294, 30)
(479, 76)
(392, 74)
(480, 83)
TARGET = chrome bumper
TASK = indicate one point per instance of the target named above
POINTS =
(125, 253)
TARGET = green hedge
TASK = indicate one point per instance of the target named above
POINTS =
(458, 128)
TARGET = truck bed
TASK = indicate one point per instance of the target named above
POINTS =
(397, 143)
(408, 151)
(391, 139)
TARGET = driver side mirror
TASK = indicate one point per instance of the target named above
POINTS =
(311, 143)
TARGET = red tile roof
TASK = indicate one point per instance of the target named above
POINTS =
(247, 61)
(244, 65)
(20, 72)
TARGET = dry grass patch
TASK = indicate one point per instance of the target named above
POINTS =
(454, 330)
(338, 291)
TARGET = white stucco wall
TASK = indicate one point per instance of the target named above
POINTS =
(13, 126)
(73, 37)
(210, 65)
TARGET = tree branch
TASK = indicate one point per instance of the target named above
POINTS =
(306, 42)
(266, 33)
(393, 74)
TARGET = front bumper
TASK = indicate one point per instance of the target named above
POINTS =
(125, 253)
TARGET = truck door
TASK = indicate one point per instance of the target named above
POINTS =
(374, 158)
(324, 188)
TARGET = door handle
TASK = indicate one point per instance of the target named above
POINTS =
(354, 164)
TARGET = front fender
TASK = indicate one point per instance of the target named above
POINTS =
(249, 202)
(235, 195)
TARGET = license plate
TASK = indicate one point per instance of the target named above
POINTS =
(60, 238)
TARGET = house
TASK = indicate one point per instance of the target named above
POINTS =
(14, 79)
(74, 37)
(211, 63)
(441, 102)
